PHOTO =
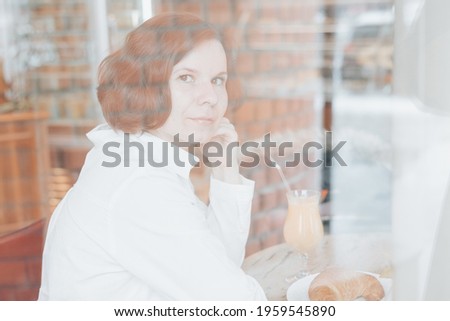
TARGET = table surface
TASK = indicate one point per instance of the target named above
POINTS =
(369, 252)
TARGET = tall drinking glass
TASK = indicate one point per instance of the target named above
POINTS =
(303, 227)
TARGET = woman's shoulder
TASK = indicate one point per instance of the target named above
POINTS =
(155, 184)
(157, 200)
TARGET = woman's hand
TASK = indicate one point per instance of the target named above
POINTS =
(222, 153)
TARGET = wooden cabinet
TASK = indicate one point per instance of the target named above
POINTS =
(24, 168)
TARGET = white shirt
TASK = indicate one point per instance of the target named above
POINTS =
(140, 232)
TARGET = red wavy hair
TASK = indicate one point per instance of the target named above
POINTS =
(133, 86)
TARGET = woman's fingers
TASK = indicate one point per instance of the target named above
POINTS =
(225, 133)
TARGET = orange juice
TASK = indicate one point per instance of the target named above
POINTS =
(303, 227)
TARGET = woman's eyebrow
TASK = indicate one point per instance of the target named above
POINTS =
(194, 71)
(186, 69)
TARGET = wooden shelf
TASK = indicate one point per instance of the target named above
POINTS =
(23, 116)
(24, 165)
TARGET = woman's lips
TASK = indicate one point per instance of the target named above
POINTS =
(202, 120)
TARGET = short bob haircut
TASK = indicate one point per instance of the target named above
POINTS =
(134, 81)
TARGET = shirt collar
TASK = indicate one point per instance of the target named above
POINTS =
(163, 153)
(178, 159)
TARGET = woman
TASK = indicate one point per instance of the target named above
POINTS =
(131, 228)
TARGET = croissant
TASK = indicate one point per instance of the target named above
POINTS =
(339, 284)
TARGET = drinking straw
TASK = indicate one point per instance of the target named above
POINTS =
(283, 178)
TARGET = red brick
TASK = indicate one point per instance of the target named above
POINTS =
(241, 129)
(282, 198)
(245, 113)
(308, 12)
(191, 6)
(255, 37)
(294, 123)
(264, 110)
(256, 131)
(281, 107)
(282, 60)
(256, 204)
(308, 118)
(292, 106)
(273, 177)
(246, 9)
(295, 171)
(265, 62)
(12, 273)
(276, 126)
(291, 38)
(260, 178)
(278, 218)
(164, 6)
(219, 12)
(274, 39)
(245, 63)
(298, 60)
(285, 13)
(268, 11)
(269, 201)
(231, 37)
(262, 224)
(252, 247)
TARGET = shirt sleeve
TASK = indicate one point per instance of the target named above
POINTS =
(161, 237)
(229, 213)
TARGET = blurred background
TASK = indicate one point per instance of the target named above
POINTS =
(306, 66)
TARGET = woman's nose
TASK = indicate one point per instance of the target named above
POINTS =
(206, 94)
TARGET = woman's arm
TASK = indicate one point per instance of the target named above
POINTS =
(230, 194)
(229, 213)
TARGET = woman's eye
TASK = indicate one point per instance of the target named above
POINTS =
(219, 81)
(186, 78)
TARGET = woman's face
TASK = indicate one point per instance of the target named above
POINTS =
(198, 93)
